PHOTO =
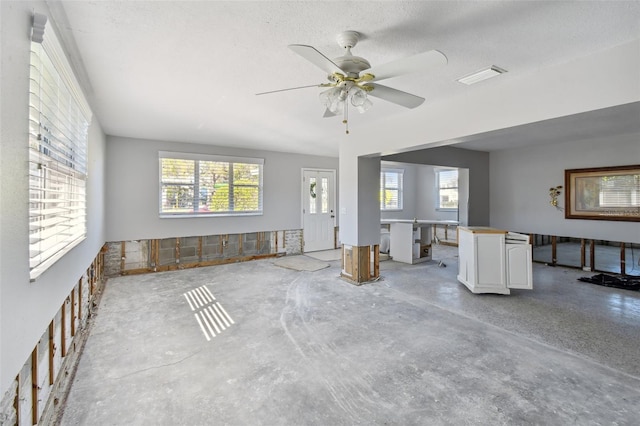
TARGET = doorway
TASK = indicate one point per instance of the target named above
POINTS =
(318, 209)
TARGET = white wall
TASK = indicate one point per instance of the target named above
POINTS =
(133, 191)
(26, 308)
(521, 178)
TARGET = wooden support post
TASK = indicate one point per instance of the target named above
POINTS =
(364, 264)
(554, 253)
(200, 248)
(357, 263)
(623, 260)
(376, 261)
(592, 255)
(583, 253)
(240, 238)
(73, 312)
(446, 232)
(434, 235)
(177, 250)
(123, 252)
(284, 239)
(221, 239)
(34, 385)
(52, 352)
(63, 329)
(80, 301)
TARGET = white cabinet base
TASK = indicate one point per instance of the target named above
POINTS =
(488, 264)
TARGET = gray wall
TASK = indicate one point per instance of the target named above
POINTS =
(476, 161)
(26, 308)
(133, 191)
(521, 178)
(419, 193)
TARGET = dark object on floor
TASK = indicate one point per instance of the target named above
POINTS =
(624, 282)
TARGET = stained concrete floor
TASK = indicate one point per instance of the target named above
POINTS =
(307, 348)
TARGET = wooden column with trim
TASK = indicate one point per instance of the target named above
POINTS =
(592, 255)
(554, 250)
(583, 255)
(623, 259)
(356, 263)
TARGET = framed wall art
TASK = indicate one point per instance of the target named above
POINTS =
(604, 193)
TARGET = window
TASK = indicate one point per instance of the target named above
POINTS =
(391, 189)
(207, 185)
(447, 189)
(59, 118)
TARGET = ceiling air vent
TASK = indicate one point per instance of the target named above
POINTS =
(481, 75)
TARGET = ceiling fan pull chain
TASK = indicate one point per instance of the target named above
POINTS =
(346, 114)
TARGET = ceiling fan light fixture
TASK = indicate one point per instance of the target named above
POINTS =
(360, 100)
(333, 99)
(482, 75)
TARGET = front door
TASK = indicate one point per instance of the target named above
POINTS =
(318, 209)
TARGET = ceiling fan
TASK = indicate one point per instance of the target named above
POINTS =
(350, 84)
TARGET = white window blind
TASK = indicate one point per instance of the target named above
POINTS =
(59, 119)
(391, 189)
(447, 189)
(206, 185)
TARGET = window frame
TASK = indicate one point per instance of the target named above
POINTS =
(58, 145)
(438, 171)
(384, 188)
(232, 160)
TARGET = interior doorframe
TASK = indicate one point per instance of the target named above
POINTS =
(334, 195)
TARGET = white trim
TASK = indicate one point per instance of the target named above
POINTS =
(209, 157)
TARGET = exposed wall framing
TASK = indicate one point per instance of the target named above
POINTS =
(46, 375)
(589, 255)
(168, 254)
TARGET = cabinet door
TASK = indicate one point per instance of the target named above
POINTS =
(519, 268)
(490, 259)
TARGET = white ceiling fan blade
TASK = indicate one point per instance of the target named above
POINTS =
(409, 65)
(315, 57)
(285, 90)
(393, 95)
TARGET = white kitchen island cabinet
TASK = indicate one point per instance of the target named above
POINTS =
(493, 261)
(411, 239)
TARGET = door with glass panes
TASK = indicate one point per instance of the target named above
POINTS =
(318, 211)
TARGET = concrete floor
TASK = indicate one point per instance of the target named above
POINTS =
(307, 348)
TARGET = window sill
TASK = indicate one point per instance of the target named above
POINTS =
(202, 215)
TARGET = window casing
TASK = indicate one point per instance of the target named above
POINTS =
(209, 185)
(447, 189)
(391, 181)
(59, 118)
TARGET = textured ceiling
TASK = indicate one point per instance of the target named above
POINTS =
(189, 71)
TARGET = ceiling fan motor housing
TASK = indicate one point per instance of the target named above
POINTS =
(349, 63)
